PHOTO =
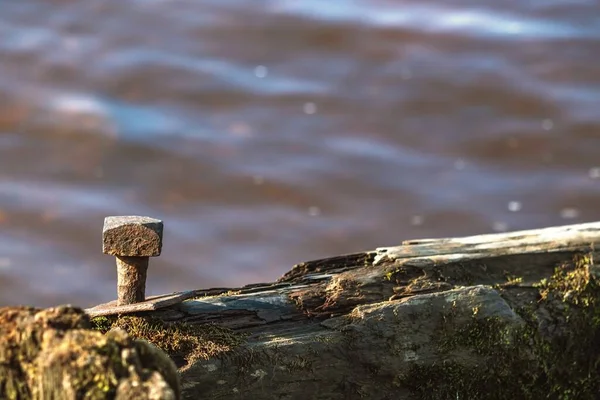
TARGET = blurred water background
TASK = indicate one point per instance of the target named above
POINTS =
(270, 132)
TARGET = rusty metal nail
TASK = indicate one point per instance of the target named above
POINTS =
(132, 240)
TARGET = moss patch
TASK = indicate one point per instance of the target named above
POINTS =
(554, 355)
(570, 345)
(94, 364)
(184, 343)
(53, 354)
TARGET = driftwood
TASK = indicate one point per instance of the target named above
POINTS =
(510, 315)
(500, 316)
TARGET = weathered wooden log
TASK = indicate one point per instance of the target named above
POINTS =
(501, 316)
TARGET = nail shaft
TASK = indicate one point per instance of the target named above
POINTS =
(131, 279)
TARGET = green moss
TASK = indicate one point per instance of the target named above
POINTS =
(449, 380)
(53, 354)
(182, 342)
(484, 336)
(534, 360)
(101, 324)
(495, 363)
(573, 284)
(91, 365)
(571, 352)
(512, 280)
(390, 274)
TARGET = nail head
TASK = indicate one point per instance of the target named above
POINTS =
(132, 236)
